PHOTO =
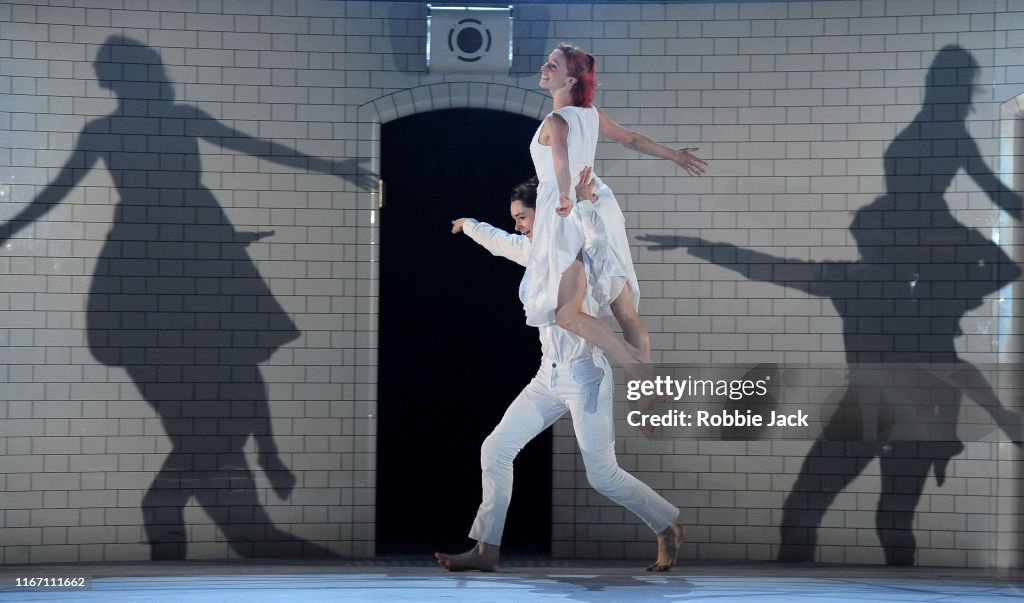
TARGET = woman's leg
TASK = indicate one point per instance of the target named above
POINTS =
(570, 316)
(633, 327)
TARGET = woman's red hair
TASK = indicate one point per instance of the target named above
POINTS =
(582, 66)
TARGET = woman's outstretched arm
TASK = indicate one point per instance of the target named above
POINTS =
(684, 158)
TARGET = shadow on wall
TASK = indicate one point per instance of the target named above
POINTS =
(177, 302)
(920, 271)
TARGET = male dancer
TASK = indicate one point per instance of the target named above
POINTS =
(573, 376)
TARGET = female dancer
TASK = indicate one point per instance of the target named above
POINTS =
(555, 282)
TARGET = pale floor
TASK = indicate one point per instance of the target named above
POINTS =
(522, 579)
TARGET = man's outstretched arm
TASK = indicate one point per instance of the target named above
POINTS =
(499, 242)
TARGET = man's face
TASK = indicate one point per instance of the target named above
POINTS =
(524, 218)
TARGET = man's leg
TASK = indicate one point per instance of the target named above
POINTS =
(595, 434)
(533, 411)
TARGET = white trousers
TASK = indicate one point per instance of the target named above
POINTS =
(552, 392)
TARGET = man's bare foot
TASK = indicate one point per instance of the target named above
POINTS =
(669, 542)
(483, 557)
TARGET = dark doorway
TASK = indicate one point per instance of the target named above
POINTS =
(454, 350)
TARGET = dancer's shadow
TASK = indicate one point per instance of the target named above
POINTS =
(920, 271)
(177, 302)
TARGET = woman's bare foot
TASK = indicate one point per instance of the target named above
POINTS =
(669, 542)
(482, 557)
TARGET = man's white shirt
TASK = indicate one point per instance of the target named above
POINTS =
(557, 344)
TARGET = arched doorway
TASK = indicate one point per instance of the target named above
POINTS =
(453, 348)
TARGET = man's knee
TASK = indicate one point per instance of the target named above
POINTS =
(604, 477)
(495, 451)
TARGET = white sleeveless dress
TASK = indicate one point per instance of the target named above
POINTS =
(598, 230)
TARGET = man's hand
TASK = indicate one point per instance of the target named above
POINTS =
(585, 187)
(457, 225)
(685, 158)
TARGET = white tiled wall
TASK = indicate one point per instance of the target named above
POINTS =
(793, 102)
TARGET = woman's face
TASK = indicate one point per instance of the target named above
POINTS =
(554, 74)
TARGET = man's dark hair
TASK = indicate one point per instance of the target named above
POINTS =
(526, 192)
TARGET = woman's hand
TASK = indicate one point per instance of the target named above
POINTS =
(457, 225)
(564, 207)
(684, 158)
(585, 187)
